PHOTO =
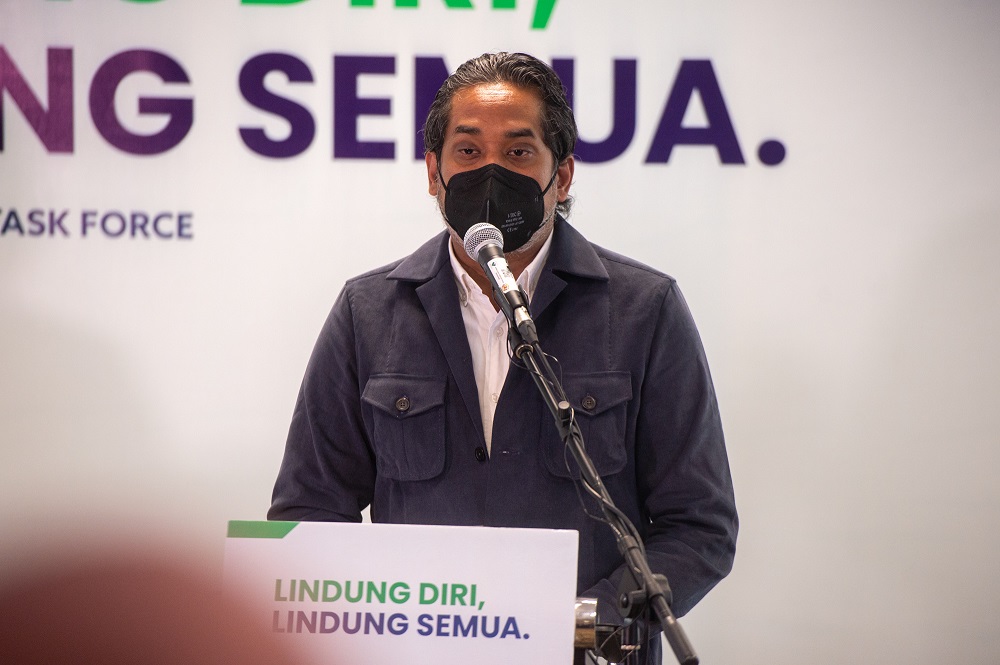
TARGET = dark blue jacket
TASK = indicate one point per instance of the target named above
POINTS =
(388, 415)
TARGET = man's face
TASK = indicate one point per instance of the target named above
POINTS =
(499, 123)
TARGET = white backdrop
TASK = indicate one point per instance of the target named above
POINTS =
(847, 296)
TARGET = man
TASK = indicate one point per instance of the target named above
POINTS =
(409, 403)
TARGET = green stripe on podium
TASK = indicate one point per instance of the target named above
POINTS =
(241, 529)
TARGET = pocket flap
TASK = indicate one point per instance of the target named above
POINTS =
(403, 396)
(596, 392)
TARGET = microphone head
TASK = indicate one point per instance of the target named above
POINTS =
(480, 235)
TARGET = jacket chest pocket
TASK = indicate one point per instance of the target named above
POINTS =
(600, 402)
(408, 420)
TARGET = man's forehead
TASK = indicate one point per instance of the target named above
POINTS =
(498, 91)
(474, 106)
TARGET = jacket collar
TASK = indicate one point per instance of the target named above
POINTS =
(429, 269)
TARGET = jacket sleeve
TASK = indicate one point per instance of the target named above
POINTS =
(328, 469)
(685, 490)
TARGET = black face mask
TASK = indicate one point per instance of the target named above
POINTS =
(512, 202)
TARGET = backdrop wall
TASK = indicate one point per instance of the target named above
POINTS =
(185, 186)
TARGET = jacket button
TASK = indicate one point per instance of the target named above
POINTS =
(481, 454)
(403, 404)
(589, 403)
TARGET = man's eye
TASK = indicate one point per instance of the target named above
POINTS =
(519, 152)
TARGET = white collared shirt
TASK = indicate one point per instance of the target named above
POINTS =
(487, 331)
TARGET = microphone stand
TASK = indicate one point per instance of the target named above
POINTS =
(652, 589)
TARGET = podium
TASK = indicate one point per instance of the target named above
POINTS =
(389, 594)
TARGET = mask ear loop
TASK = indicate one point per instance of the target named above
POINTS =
(441, 176)
(547, 187)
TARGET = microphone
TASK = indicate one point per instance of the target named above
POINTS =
(484, 243)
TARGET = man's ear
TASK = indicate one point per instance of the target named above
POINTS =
(432, 171)
(564, 178)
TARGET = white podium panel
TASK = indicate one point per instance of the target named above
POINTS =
(389, 594)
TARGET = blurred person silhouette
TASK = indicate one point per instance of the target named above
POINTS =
(130, 610)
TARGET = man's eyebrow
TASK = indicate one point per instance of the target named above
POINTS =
(526, 132)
